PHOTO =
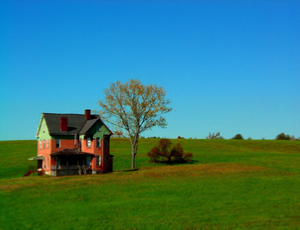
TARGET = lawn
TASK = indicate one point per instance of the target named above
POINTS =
(229, 184)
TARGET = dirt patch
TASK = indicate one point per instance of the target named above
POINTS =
(14, 186)
(205, 169)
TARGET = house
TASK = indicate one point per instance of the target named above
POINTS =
(70, 144)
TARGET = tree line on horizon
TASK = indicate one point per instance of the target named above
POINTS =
(217, 136)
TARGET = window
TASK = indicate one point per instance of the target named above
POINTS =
(98, 160)
(40, 144)
(44, 144)
(47, 143)
(88, 142)
(57, 143)
(106, 143)
(98, 142)
(88, 160)
(47, 163)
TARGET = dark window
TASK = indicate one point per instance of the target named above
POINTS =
(57, 143)
(106, 143)
(98, 143)
(44, 144)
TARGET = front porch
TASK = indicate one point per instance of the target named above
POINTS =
(64, 170)
(71, 162)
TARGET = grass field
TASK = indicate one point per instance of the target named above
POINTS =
(229, 185)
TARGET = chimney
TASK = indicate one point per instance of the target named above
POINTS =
(87, 113)
(63, 124)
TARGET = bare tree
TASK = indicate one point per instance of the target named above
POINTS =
(214, 136)
(134, 108)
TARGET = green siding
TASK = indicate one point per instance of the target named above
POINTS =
(43, 132)
(98, 130)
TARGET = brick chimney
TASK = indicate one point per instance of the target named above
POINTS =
(87, 113)
(63, 124)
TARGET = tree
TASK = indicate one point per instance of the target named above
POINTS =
(117, 134)
(283, 136)
(238, 137)
(214, 136)
(134, 108)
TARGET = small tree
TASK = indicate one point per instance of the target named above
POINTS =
(214, 136)
(238, 137)
(282, 136)
(165, 151)
(133, 108)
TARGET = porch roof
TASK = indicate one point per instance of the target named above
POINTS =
(71, 152)
(36, 158)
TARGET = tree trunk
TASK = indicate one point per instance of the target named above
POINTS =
(133, 158)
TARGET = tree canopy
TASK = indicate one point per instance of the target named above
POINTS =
(133, 108)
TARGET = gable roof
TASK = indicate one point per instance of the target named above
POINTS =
(87, 125)
(77, 123)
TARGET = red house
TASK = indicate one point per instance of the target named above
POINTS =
(70, 144)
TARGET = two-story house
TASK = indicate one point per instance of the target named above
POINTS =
(69, 144)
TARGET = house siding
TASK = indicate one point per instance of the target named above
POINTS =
(41, 133)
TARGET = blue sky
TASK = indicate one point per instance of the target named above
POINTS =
(227, 66)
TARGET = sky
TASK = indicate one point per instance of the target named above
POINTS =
(227, 66)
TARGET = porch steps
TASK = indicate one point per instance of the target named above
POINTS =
(28, 173)
(32, 171)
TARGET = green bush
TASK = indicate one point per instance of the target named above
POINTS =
(238, 137)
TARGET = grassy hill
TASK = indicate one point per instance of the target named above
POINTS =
(229, 184)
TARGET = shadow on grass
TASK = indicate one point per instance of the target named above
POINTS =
(127, 170)
(176, 162)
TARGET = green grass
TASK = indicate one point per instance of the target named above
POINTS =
(229, 185)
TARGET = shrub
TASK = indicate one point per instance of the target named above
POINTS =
(282, 136)
(165, 151)
(238, 137)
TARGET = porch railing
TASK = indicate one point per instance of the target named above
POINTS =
(66, 167)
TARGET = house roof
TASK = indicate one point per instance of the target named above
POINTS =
(87, 125)
(77, 123)
(36, 158)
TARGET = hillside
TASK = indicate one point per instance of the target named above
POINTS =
(229, 184)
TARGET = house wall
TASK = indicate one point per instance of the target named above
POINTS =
(102, 151)
(45, 152)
